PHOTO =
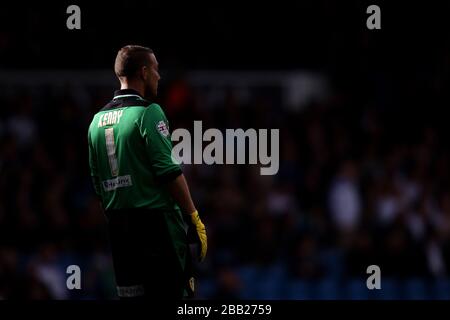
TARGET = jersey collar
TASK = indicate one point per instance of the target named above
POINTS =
(126, 93)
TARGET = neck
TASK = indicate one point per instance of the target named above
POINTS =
(137, 86)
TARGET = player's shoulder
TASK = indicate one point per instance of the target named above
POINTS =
(153, 108)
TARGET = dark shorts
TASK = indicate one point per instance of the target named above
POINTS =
(144, 258)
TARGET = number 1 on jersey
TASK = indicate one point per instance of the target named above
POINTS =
(111, 151)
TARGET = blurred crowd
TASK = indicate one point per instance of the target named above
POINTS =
(351, 191)
(48, 216)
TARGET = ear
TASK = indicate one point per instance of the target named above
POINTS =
(144, 72)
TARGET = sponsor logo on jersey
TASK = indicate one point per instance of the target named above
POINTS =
(163, 128)
(118, 182)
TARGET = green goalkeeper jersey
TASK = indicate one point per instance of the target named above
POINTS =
(130, 154)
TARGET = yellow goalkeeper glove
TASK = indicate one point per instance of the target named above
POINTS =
(200, 233)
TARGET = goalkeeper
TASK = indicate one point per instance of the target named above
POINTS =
(142, 189)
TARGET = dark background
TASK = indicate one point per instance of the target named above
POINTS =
(381, 135)
(306, 34)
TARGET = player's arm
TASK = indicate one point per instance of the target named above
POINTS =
(179, 191)
(155, 130)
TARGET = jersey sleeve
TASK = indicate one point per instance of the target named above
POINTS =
(93, 166)
(154, 128)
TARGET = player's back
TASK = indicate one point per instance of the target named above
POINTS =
(130, 154)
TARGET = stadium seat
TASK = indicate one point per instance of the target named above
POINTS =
(356, 289)
(327, 289)
(248, 275)
(269, 282)
(390, 290)
(298, 290)
(415, 289)
(206, 288)
(441, 289)
(268, 288)
(332, 261)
